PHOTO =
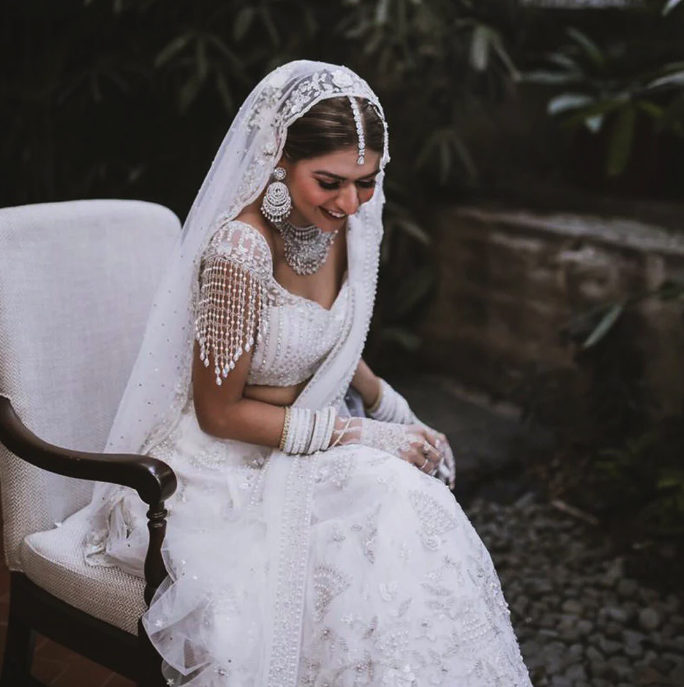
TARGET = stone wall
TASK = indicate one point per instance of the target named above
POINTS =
(510, 280)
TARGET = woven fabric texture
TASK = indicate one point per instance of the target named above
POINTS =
(54, 561)
(77, 280)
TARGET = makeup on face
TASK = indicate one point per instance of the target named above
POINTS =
(327, 189)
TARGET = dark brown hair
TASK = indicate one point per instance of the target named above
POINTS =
(329, 126)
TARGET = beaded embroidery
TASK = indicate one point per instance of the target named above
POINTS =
(327, 584)
(434, 518)
(241, 307)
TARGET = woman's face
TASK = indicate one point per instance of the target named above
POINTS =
(327, 189)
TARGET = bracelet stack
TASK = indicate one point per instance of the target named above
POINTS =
(306, 431)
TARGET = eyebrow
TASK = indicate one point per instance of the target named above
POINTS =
(339, 178)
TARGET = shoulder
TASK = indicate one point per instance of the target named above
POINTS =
(241, 243)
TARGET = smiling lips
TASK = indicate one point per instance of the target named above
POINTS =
(334, 215)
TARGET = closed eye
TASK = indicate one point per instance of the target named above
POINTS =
(334, 185)
(328, 185)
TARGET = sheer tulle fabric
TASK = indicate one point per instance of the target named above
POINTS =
(399, 588)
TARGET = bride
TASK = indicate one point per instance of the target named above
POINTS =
(309, 542)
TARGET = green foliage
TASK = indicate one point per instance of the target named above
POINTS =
(625, 460)
(131, 98)
(616, 87)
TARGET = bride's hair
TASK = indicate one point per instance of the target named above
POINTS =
(329, 126)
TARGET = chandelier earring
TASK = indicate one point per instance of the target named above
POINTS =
(277, 203)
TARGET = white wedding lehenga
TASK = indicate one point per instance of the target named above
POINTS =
(344, 568)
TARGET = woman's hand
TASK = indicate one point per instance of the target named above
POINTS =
(416, 444)
(447, 460)
(424, 448)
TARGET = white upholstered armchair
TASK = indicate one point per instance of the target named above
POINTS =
(76, 283)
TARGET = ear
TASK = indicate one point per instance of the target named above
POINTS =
(284, 163)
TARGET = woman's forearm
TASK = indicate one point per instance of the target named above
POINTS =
(366, 383)
(253, 422)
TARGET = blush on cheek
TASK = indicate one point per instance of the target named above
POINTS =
(366, 194)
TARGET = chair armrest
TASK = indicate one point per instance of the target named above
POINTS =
(153, 479)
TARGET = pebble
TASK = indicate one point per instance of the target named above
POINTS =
(579, 619)
(649, 619)
(627, 588)
(573, 607)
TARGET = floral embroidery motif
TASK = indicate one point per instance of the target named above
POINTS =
(339, 473)
(368, 532)
(434, 518)
(327, 584)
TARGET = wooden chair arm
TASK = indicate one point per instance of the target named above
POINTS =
(153, 479)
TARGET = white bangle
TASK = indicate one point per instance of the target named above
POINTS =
(309, 431)
(305, 430)
(313, 443)
(298, 431)
(327, 438)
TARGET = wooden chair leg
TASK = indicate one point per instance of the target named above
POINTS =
(150, 662)
(19, 645)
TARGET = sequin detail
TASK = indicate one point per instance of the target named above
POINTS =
(434, 519)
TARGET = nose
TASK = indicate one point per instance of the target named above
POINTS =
(348, 200)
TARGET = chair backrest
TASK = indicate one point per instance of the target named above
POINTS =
(77, 281)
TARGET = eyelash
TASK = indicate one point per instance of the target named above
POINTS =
(334, 185)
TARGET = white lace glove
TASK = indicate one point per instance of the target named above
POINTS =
(392, 407)
(413, 443)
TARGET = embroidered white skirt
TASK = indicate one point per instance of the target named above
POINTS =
(400, 590)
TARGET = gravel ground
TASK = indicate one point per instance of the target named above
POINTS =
(579, 620)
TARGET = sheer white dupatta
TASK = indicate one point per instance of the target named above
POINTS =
(159, 384)
(288, 487)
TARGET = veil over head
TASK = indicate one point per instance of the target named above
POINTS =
(158, 386)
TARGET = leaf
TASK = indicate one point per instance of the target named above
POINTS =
(505, 57)
(605, 325)
(568, 101)
(563, 61)
(479, 48)
(670, 291)
(381, 12)
(591, 50)
(465, 157)
(620, 146)
(651, 109)
(594, 123)
(201, 59)
(412, 229)
(673, 115)
(552, 78)
(671, 482)
(601, 107)
(406, 339)
(172, 49)
(675, 79)
(188, 93)
(670, 5)
(242, 22)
